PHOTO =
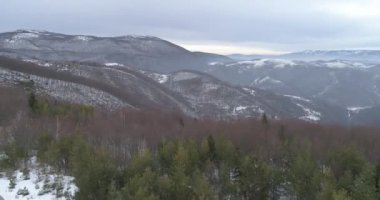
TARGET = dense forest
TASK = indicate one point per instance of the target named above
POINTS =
(142, 155)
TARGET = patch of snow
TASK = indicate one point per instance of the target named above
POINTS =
(339, 64)
(31, 61)
(163, 78)
(38, 177)
(336, 64)
(38, 62)
(239, 108)
(357, 109)
(47, 64)
(256, 63)
(25, 36)
(3, 156)
(267, 79)
(361, 65)
(83, 38)
(281, 63)
(22, 35)
(182, 76)
(10, 41)
(249, 64)
(259, 63)
(215, 63)
(310, 115)
(210, 86)
(251, 91)
(20, 40)
(296, 97)
(113, 64)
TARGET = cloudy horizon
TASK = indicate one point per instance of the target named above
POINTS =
(225, 26)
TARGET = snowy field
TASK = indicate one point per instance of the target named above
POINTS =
(40, 183)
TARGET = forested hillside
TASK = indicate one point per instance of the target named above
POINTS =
(132, 154)
(145, 72)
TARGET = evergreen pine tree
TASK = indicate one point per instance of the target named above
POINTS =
(33, 102)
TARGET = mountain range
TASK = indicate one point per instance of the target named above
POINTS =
(145, 72)
(143, 52)
(367, 56)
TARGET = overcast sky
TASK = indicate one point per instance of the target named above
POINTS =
(220, 26)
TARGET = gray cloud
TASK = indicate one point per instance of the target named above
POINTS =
(282, 25)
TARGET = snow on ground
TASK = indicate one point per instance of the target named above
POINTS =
(207, 87)
(296, 97)
(249, 64)
(239, 108)
(113, 64)
(267, 79)
(215, 63)
(336, 64)
(25, 36)
(255, 63)
(310, 115)
(39, 185)
(357, 109)
(275, 63)
(161, 78)
(83, 38)
(251, 91)
(21, 36)
(63, 90)
(38, 62)
(340, 64)
(281, 63)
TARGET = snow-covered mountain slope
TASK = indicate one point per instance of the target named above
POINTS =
(209, 95)
(112, 86)
(92, 84)
(344, 83)
(143, 52)
(365, 115)
(258, 63)
(62, 90)
(276, 63)
(219, 99)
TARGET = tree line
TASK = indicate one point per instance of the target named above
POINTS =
(156, 155)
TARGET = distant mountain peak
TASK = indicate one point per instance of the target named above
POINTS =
(366, 56)
(140, 51)
(140, 37)
(44, 32)
(30, 31)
